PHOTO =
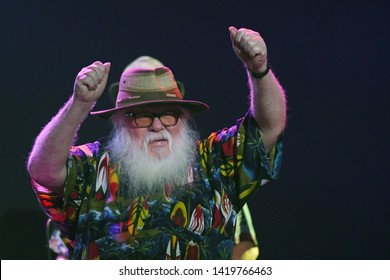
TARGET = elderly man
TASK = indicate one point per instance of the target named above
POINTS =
(154, 191)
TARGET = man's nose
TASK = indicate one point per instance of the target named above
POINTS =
(156, 125)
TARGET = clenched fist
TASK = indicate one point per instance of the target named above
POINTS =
(250, 47)
(91, 81)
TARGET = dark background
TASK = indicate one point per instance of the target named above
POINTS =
(332, 198)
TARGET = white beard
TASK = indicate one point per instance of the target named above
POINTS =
(142, 174)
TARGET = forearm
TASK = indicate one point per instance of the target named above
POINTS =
(268, 106)
(47, 161)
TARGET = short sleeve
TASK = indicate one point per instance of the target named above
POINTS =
(236, 159)
(255, 167)
(63, 211)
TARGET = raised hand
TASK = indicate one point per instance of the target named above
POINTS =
(250, 47)
(91, 81)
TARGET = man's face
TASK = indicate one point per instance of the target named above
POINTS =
(156, 138)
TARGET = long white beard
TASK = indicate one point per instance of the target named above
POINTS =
(143, 174)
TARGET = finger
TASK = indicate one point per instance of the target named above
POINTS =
(107, 67)
(238, 38)
(255, 51)
(260, 50)
(248, 45)
(99, 69)
(88, 82)
(242, 34)
(237, 50)
(93, 76)
(233, 33)
(253, 44)
(96, 64)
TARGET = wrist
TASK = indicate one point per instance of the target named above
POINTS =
(261, 73)
(80, 107)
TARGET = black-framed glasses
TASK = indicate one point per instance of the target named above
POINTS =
(144, 119)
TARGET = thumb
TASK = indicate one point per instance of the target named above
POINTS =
(233, 33)
(107, 67)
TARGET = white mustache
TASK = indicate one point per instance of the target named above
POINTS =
(162, 135)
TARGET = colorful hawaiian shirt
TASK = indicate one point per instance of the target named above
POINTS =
(196, 221)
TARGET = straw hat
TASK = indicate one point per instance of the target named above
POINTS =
(146, 81)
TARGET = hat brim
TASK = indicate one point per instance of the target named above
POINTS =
(191, 105)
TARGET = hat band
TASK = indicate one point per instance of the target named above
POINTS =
(127, 98)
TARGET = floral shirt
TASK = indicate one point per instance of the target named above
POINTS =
(196, 221)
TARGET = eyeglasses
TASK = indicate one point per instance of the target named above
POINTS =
(146, 119)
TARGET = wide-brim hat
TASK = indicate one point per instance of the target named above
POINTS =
(147, 86)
